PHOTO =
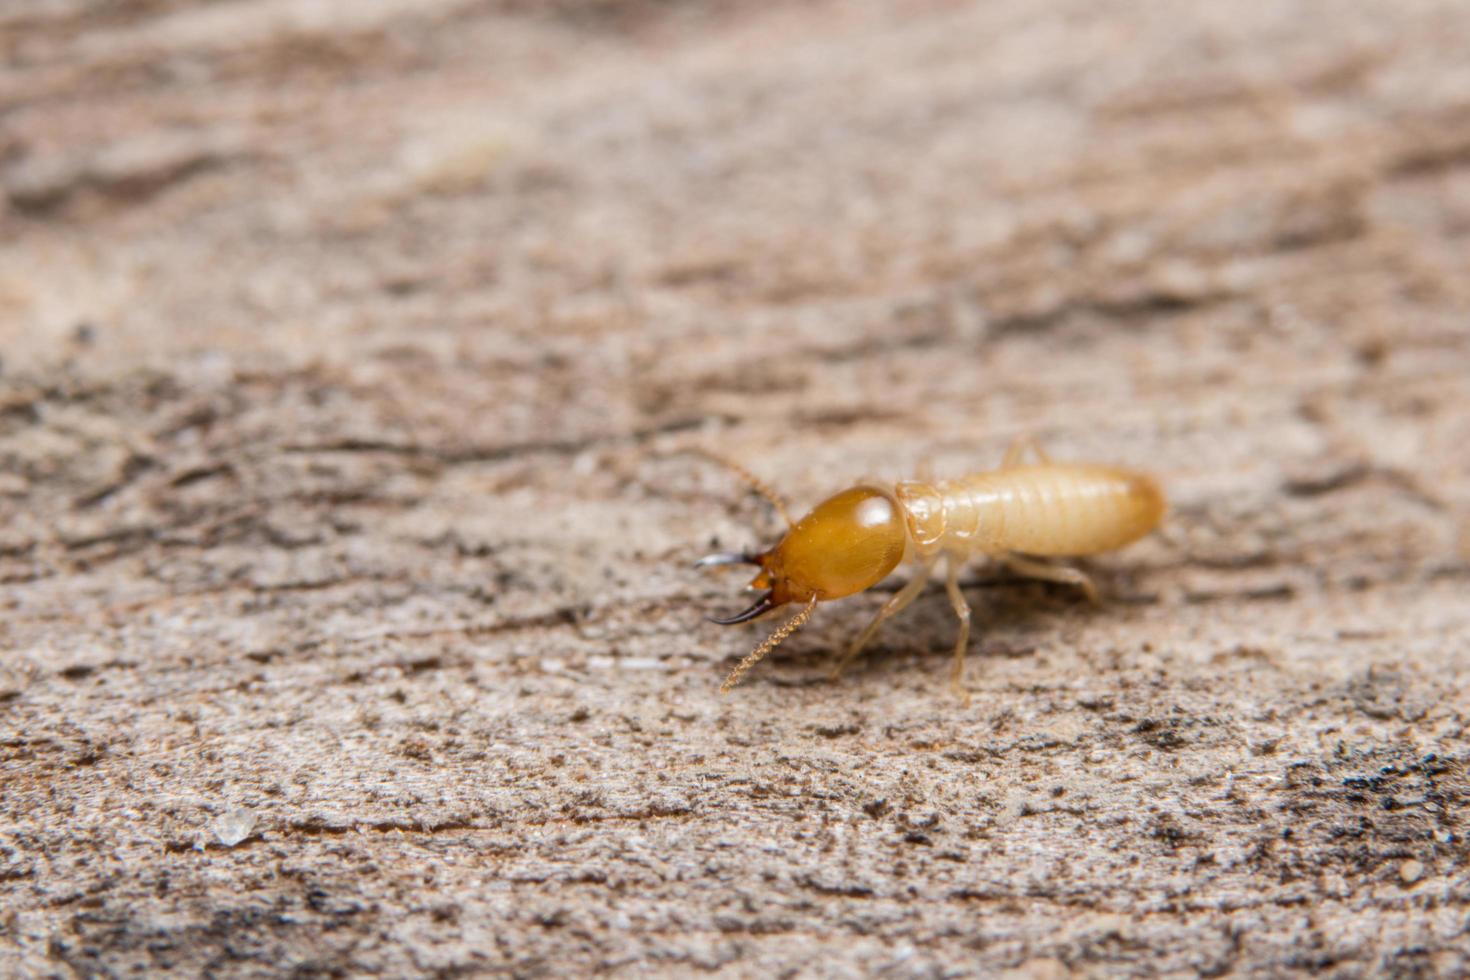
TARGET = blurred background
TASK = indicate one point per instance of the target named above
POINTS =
(349, 351)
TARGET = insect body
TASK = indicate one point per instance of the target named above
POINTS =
(1019, 514)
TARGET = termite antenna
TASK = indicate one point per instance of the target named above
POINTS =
(771, 642)
(756, 483)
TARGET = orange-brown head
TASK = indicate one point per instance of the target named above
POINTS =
(848, 543)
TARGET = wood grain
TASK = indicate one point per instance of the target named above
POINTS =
(350, 351)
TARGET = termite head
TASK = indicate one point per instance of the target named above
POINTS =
(848, 543)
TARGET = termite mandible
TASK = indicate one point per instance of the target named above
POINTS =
(1019, 514)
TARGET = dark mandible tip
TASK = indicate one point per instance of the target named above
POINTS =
(762, 605)
(725, 558)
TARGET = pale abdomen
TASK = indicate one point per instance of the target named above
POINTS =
(1053, 509)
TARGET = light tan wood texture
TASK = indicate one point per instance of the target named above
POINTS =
(350, 350)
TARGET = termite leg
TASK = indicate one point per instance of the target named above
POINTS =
(1018, 448)
(924, 472)
(1032, 568)
(962, 611)
(900, 599)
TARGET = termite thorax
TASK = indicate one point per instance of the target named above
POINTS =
(924, 511)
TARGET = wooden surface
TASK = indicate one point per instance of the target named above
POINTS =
(349, 354)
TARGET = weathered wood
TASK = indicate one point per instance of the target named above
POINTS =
(349, 351)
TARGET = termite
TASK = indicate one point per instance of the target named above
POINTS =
(1021, 514)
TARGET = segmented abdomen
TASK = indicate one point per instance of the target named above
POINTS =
(1048, 509)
